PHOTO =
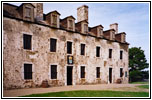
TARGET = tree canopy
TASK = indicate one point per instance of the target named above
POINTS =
(137, 64)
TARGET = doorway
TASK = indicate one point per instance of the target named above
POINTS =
(69, 75)
(110, 75)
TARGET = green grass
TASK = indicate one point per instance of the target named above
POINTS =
(144, 86)
(91, 93)
(139, 83)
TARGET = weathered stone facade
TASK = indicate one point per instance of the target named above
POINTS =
(15, 56)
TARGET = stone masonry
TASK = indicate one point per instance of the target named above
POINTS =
(18, 21)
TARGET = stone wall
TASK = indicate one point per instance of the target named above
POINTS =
(14, 56)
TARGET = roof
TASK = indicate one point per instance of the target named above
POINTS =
(53, 12)
(82, 21)
(96, 26)
(109, 30)
(121, 33)
(68, 17)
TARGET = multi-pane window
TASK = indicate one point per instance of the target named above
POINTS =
(54, 19)
(70, 24)
(97, 51)
(27, 41)
(82, 71)
(125, 73)
(121, 54)
(98, 72)
(27, 71)
(110, 53)
(53, 45)
(28, 12)
(121, 72)
(82, 49)
(69, 47)
(53, 71)
(85, 28)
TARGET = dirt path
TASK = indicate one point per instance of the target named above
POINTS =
(114, 87)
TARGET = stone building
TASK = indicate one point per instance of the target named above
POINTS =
(38, 47)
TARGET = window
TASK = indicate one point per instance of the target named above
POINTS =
(121, 72)
(121, 54)
(125, 73)
(82, 71)
(98, 72)
(53, 45)
(28, 12)
(54, 19)
(70, 24)
(53, 71)
(97, 51)
(82, 49)
(27, 41)
(69, 47)
(110, 53)
(27, 71)
(85, 28)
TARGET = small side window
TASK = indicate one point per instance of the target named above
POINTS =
(53, 71)
(53, 45)
(27, 71)
(82, 71)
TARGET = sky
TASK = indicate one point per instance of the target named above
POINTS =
(132, 18)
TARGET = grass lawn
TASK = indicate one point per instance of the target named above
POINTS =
(139, 83)
(144, 86)
(91, 93)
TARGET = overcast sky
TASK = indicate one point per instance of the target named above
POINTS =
(132, 18)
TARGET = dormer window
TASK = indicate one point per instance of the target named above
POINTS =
(54, 19)
(85, 28)
(71, 24)
(28, 12)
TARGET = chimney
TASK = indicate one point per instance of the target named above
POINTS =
(38, 11)
(115, 27)
(82, 13)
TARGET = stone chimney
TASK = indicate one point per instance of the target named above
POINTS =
(115, 27)
(82, 13)
(38, 11)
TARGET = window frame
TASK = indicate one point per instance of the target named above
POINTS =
(121, 54)
(51, 49)
(25, 47)
(24, 74)
(98, 51)
(82, 74)
(121, 72)
(54, 17)
(50, 72)
(98, 72)
(67, 50)
(71, 26)
(110, 53)
(82, 51)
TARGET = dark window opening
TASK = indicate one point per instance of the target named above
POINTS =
(126, 74)
(69, 47)
(53, 45)
(97, 51)
(53, 71)
(121, 72)
(98, 72)
(82, 49)
(121, 54)
(82, 71)
(27, 41)
(110, 53)
(27, 71)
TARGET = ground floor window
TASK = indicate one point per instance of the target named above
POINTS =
(98, 72)
(82, 71)
(53, 71)
(126, 74)
(27, 71)
(121, 72)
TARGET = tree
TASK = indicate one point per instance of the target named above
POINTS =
(137, 63)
